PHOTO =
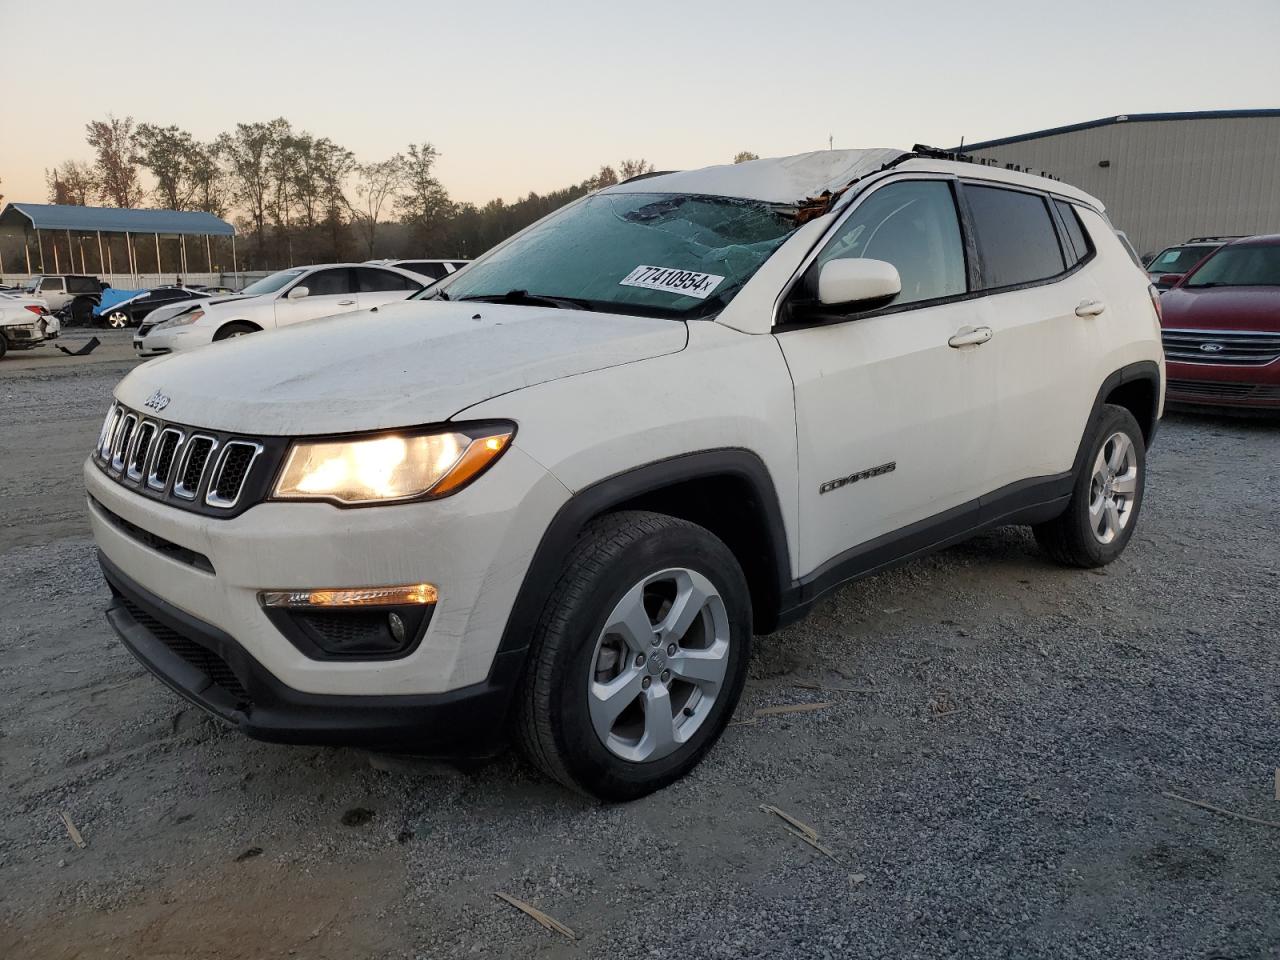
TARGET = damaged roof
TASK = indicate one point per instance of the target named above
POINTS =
(789, 180)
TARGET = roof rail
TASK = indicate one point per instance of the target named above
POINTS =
(1214, 239)
(937, 153)
(646, 176)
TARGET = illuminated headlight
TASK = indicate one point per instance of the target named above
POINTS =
(184, 320)
(390, 467)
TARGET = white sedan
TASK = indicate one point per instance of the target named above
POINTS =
(25, 322)
(283, 298)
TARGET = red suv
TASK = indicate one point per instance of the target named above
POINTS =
(1221, 329)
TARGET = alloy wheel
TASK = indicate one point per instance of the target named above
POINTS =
(1113, 487)
(659, 664)
(117, 320)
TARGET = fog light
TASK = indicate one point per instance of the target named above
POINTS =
(396, 624)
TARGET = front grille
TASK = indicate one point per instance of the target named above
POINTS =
(204, 471)
(1210, 390)
(1230, 347)
(202, 658)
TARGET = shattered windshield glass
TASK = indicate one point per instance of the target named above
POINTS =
(653, 254)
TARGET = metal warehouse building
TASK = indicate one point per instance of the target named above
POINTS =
(1164, 177)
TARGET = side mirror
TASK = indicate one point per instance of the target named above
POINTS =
(858, 280)
(297, 293)
(1169, 279)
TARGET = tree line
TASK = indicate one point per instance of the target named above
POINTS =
(300, 198)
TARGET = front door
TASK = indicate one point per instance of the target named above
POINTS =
(329, 292)
(893, 405)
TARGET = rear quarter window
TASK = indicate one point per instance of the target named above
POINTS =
(1016, 236)
(1076, 235)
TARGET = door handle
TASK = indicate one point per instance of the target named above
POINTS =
(345, 303)
(970, 337)
(1090, 308)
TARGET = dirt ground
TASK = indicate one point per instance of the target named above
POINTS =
(990, 769)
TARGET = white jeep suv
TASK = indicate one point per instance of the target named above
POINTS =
(557, 495)
(283, 298)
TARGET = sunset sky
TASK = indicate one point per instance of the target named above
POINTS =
(521, 96)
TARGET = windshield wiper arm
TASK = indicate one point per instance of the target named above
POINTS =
(525, 298)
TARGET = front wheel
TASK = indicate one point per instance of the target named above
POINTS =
(237, 328)
(117, 320)
(1106, 496)
(639, 657)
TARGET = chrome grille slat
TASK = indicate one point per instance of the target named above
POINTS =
(139, 450)
(1234, 347)
(120, 443)
(229, 474)
(168, 445)
(195, 462)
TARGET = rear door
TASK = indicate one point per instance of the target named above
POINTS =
(330, 291)
(375, 286)
(1039, 303)
(892, 420)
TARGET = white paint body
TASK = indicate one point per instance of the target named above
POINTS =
(594, 395)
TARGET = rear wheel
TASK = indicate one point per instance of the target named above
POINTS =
(117, 320)
(1106, 497)
(639, 657)
(4, 346)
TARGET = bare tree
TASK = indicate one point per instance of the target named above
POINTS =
(247, 151)
(376, 184)
(116, 171)
(170, 154)
(424, 205)
(72, 183)
(634, 168)
(745, 155)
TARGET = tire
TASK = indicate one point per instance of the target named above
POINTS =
(117, 320)
(237, 328)
(81, 311)
(4, 346)
(657, 560)
(1105, 501)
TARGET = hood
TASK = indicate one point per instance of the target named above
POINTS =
(1221, 308)
(407, 363)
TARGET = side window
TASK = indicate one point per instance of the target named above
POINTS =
(912, 225)
(82, 285)
(51, 283)
(328, 283)
(1075, 230)
(375, 281)
(1015, 235)
(432, 271)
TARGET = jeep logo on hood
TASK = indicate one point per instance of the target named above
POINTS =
(157, 401)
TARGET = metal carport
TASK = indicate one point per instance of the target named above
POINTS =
(41, 217)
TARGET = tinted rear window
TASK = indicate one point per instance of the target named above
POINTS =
(1015, 235)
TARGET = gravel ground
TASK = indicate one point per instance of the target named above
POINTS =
(1000, 792)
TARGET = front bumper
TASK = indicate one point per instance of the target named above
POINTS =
(213, 671)
(1240, 387)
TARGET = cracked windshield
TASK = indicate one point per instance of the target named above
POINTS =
(653, 254)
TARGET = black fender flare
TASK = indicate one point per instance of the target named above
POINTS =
(1147, 370)
(735, 463)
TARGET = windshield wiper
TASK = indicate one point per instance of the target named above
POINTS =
(525, 298)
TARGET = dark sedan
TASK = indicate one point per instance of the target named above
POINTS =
(129, 313)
